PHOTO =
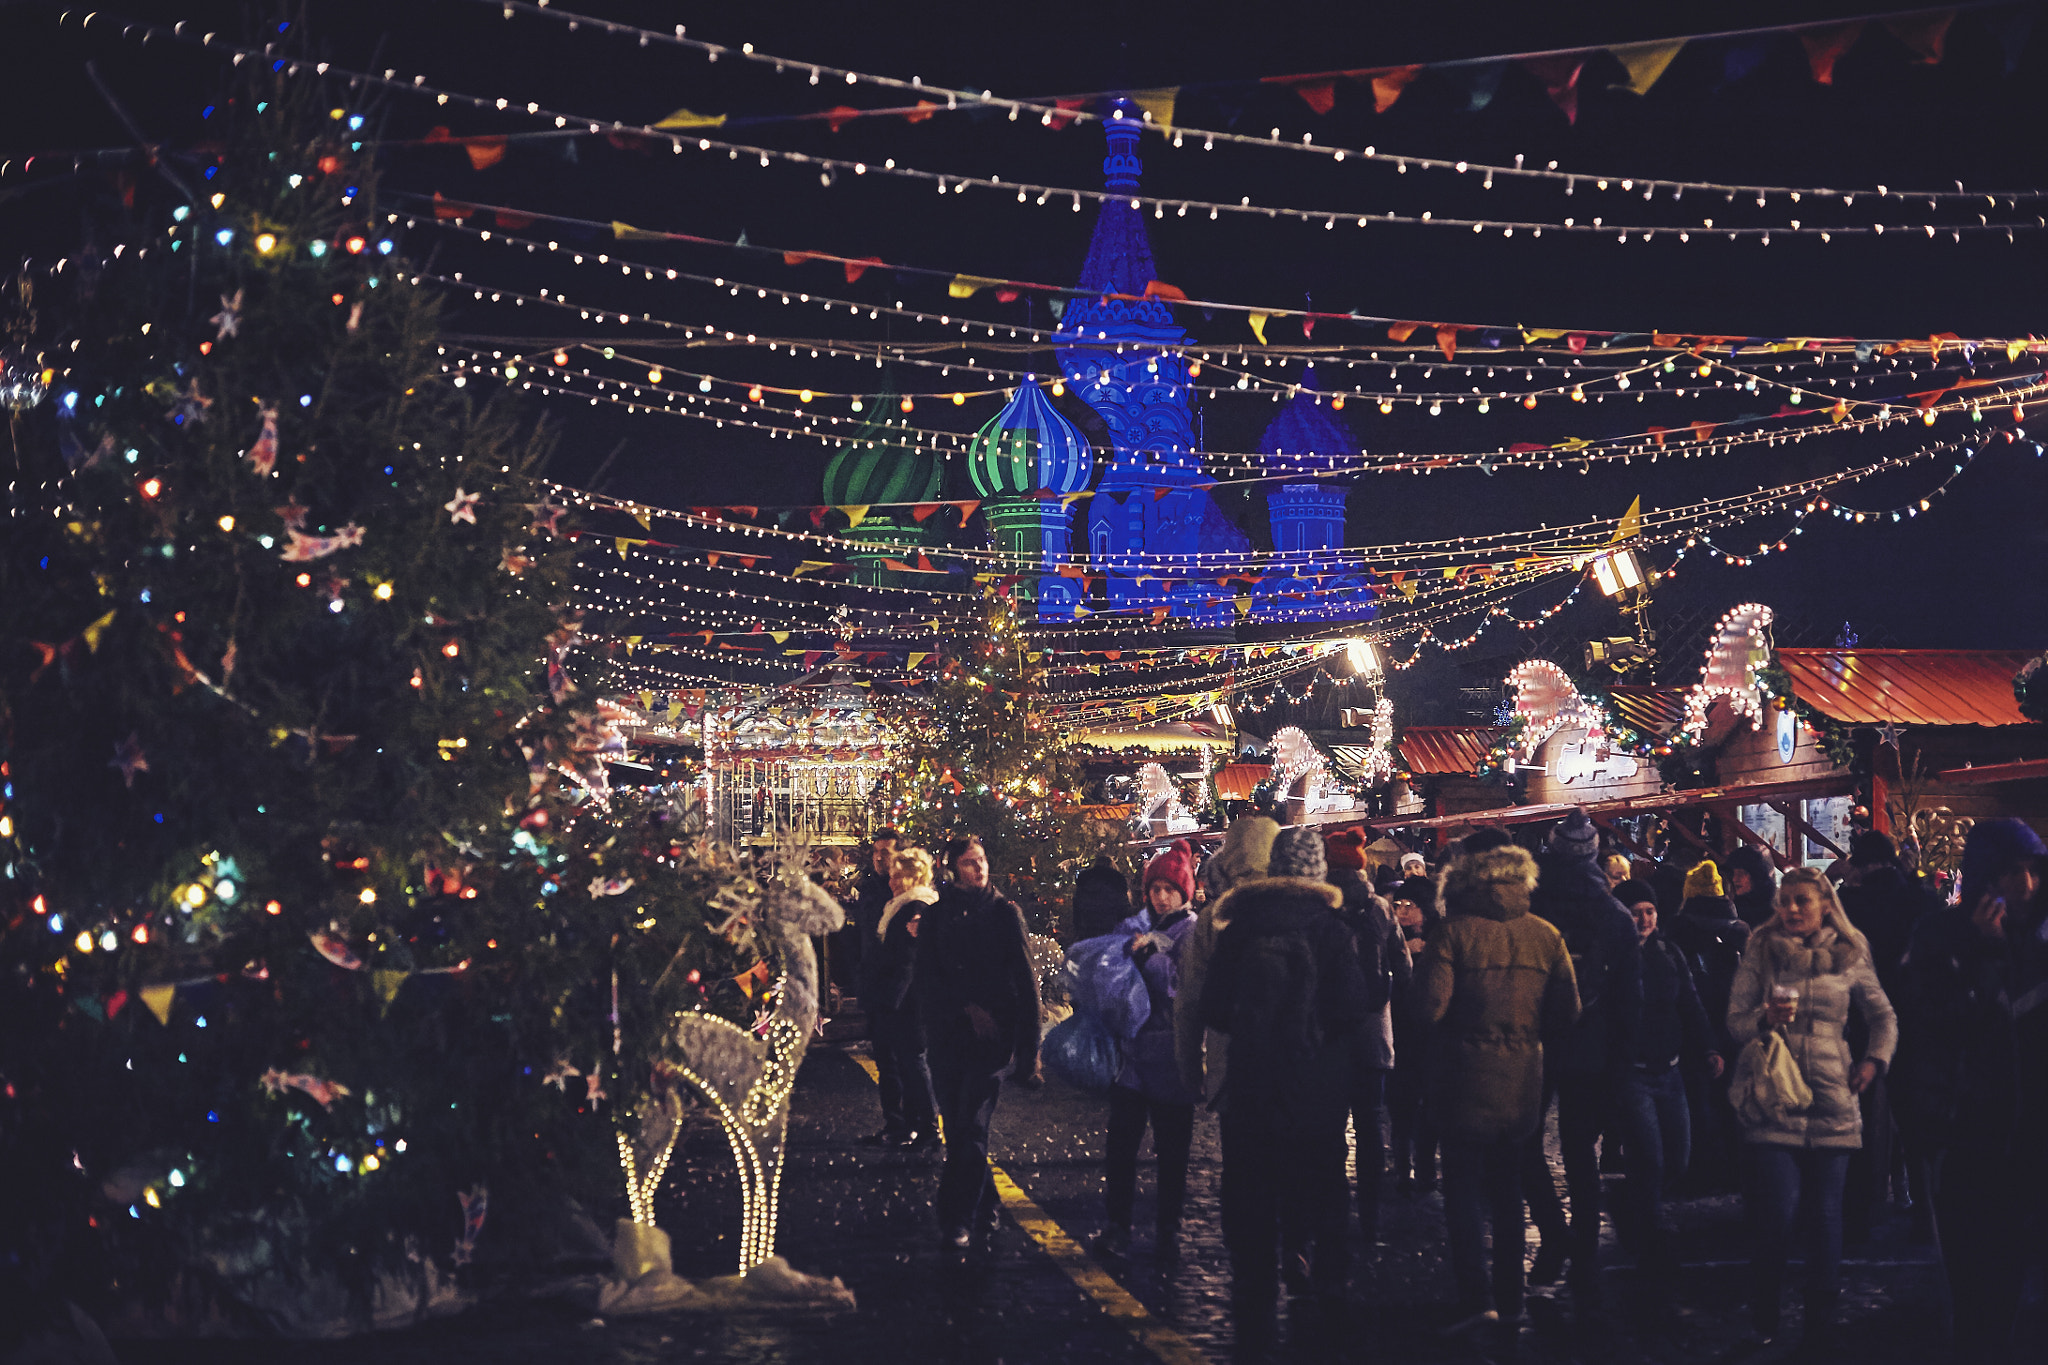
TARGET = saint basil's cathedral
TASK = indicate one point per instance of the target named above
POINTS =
(1151, 530)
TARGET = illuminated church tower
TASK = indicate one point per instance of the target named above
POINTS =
(1310, 583)
(1115, 354)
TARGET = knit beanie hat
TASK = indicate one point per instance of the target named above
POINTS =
(1412, 858)
(1298, 852)
(1994, 848)
(1480, 840)
(1247, 849)
(1575, 836)
(1703, 880)
(1420, 890)
(1632, 893)
(1102, 898)
(1345, 849)
(1175, 867)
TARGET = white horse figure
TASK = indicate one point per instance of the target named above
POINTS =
(745, 1077)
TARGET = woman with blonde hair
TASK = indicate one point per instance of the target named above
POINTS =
(1805, 970)
(887, 965)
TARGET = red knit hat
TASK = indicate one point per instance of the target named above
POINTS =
(1175, 867)
(1345, 849)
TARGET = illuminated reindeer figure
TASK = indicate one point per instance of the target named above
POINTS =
(744, 1076)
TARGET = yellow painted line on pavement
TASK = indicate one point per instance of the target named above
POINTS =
(1116, 1301)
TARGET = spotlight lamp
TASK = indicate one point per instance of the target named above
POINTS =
(1618, 573)
(1366, 658)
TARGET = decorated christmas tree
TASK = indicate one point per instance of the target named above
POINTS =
(316, 897)
(986, 760)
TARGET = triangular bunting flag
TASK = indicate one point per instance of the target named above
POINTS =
(158, 1000)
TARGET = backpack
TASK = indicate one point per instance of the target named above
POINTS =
(1374, 940)
(1275, 1026)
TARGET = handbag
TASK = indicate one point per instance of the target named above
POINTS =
(1767, 1084)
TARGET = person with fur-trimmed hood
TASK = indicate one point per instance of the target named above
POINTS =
(1496, 983)
(1285, 986)
(1246, 852)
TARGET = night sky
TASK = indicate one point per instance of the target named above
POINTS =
(1967, 574)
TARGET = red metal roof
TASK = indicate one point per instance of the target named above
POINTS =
(1234, 781)
(1653, 710)
(1439, 749)
(1908, 686)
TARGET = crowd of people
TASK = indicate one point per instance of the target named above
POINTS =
(1817, 1040)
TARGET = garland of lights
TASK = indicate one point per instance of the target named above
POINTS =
(831, 167)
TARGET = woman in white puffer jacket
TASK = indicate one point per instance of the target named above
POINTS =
(1803, 973)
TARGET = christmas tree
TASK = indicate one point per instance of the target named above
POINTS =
(316, 895)
(985, 760)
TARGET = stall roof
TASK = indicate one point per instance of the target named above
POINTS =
(1431, 750)
(1744, 793)
(1653, 710)
(1907, 686)
(1234, 781)
(1158, 738)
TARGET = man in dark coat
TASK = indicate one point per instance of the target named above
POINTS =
(1972, 1081)
(978, 997)
(1752, 885)
(1383, 959)
(1589, 1072)
(852, 947)
(1285, 986)
(1712, 937)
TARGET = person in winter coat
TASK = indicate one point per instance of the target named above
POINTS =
(1247, 850)
(1590, 1071)
(1972, 1089)
(1414, 905)
(1150, 1089)
(1804, 974)
(1102, 899)
(847, 948)
(978, 997)
(887, 962)
(1655, 1129)
(1752, 884)
(1286, 989)
(1496, 984)
(1383, 958)
(1712, 937)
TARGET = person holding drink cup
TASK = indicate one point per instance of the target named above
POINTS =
(1806, 969)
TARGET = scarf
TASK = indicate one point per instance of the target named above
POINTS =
(1822, 953)
(923, 895)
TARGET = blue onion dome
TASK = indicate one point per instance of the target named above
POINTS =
(1308, 434)
(1029, 448)
(881, 463)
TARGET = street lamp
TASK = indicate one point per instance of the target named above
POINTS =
(1618, 573)
(1365, 657)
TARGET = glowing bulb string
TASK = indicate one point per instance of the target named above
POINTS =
(1575, 538)
(1671, 341)
(1059, 110)
(1573, 452)
(957, 184)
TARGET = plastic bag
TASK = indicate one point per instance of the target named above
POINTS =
(1081, 1052)
(1767, 1084)
(1102, 980)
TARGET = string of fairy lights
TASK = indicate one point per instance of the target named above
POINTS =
(1051, 112)
(829, 168)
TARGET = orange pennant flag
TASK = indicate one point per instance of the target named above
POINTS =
(484, 152)
(1925, 34)
(856, 269)
(1447, 341)
(1825, 46)
(1388, 85)
(1401, 331)
(923, 112)
(1160, 289)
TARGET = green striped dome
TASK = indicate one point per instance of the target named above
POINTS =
(880, 464)
(1029, 447)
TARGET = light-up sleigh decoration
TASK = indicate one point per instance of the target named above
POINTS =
(744, 1076)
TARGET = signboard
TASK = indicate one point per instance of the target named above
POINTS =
(1788, 736)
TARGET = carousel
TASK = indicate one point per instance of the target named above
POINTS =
(800, 761)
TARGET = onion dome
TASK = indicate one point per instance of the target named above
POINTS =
(881, 464)
(1029, 448)
(1308, 434)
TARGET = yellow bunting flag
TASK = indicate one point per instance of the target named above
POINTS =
(675, 709)
(1258, 322)
(98, 628)
(810, 566)
(624, 543)
(856, 514)
(1244, 606)
(386, 984)
(780, 637)
(1631, 522)
(966, 286)
(644, 517)
(1644, 62)
(158, 999)
(683, 118)
(916, 659)
(1157, 104)
(646, 700)
(626, 232)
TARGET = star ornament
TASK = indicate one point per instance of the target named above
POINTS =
(228, 321)
(547, 517)
(462, 507)
(1888, 734)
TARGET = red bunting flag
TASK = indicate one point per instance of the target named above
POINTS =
(1560, 79)
(1825, 46)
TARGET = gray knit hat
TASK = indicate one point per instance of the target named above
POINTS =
(1576, 836)
(1298, 852)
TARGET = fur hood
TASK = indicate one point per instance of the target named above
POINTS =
(1241, 895)
(1495, 883)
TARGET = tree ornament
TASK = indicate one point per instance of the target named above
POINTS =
(228, 321)
(191, 405)
(129, 759)
(263, 455)
(462, 507)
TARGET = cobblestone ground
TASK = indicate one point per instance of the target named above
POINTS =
(864, 1215)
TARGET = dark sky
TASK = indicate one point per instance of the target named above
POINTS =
(1969, 574)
